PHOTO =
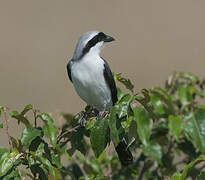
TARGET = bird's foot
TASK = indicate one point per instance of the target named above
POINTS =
(88, 110)
(102, 114)
(83, 121)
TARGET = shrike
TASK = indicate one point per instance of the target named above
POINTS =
(93, 80)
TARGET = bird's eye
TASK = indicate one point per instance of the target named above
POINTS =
(101, 36)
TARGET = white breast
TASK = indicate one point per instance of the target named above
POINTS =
(88, 80)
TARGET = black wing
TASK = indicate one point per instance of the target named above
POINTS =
(69, 69)
(110, 81)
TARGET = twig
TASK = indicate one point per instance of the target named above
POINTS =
(142, 171)
(66, 133)
(7, 127)
(35, 117)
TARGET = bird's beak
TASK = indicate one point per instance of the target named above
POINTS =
(108, 39)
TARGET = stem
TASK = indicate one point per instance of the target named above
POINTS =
(7, 127)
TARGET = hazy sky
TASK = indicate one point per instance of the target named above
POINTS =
(37, 38)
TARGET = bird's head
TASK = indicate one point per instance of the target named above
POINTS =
(91, 42)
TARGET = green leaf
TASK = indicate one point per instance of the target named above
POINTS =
(165, 99)
(1, 108)
(153, 150)
(28, 135)
(3, 151)
(143, 124)
(20, 117)
(51, 128)
(175, 126)
(189, 76)
(126, 82)
(185, 93)
(90, 124)
(176, 176)
(124, 104)
(195, 128)
(190, 165)
(8, 161)
(1, 124)
(26, 109)
(120, 94)
(158, 105)
(112, 125)
(37, 169)
(201, 176)
(99, 136)
(77, 141)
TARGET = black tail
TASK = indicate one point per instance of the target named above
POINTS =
(124, 153)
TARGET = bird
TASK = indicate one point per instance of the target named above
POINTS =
(93, 80)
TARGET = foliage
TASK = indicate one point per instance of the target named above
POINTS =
(164, 128)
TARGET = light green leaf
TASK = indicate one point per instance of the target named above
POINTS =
(153, 150)
(185, 93)
(51, 128)
(175, 126)
(176, 176)
(165, 98)
(29, 134)
(7, 162)
(143, 124)
(189, 76)
(99, 136)
(158, 105)
(195, 128)
(124, 104)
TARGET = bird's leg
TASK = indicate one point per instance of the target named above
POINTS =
(88, 110)
(102, 113)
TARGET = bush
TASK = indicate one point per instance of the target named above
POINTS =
(164, 128)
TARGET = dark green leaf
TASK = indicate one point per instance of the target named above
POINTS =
(1, 125)
(35, 143)
(37, 169)
(143, 124)
(26, 109)
(126, 82)
(77, 141)
(112, 125)
(201, 176)
(175, 126)
(99, 136)
(51, 128)
(29, 134)
(195, 128)
(19, 117)
(153, 150)
(1, 108)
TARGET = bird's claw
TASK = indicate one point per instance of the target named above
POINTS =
(83, 121)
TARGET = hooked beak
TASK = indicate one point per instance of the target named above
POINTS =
(108, 39)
